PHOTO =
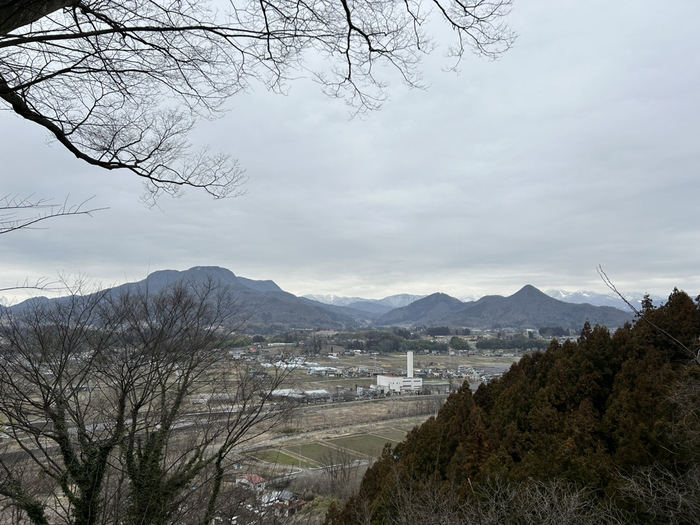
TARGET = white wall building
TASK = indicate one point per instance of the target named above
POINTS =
(401, 384)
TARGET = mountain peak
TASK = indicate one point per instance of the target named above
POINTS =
(162, 278)
(214, 271)
(530, 291)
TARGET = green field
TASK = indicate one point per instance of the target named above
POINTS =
(318, 452)
(392, 434)
(277, 457)
(315, 453)
(367, 445)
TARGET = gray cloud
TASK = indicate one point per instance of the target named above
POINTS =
(577, 148)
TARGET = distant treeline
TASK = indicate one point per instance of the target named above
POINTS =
(554, 331)
(516, 342)
(446, 330)
(399, 340)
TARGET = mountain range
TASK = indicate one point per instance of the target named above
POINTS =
(269, 309)
(600, 299)
(527, 308)
(379, 306)
(577, 297)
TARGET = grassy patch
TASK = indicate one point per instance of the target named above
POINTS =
(367, 445)
(277, 457)
(392, 434)
(313, 451)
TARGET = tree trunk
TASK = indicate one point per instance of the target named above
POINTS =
(18, 13)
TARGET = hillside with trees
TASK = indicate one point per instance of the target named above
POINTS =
(529, 307)
(602, 430)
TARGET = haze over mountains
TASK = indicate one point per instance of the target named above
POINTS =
(577, 297)
(372, 305)
(268, 308)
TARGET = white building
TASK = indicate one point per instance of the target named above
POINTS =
(401, 384)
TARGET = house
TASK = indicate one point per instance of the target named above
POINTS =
(287, 393)
(252, 481)
(318, 396)
(284, 502)
(285, 510)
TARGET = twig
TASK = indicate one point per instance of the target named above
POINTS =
(695, 356)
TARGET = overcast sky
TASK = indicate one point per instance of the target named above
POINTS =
(579, 147)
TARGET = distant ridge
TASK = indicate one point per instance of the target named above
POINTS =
(265, 305)
(429, 311)
(527, 308)
(270, 309)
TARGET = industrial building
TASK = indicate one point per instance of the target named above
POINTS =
(398, 384)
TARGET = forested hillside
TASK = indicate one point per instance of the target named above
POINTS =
(602, 430)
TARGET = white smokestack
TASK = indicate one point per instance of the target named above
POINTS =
(409, 363)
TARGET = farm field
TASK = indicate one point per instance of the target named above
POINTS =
(325, 433)
(318, 449)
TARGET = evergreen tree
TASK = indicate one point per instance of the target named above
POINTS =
(603, 413)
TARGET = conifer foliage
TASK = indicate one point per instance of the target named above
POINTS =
(605, 429)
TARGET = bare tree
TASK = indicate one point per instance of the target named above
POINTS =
(21, 489)
(665, 496)
(558, 502)
(428, 502)
(490, 501)
(121, 83)
(341, 473)
(102, 394)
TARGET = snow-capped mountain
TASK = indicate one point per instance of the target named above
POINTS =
(600, 299)
(393, 301)
(399, 300)
(335, 300)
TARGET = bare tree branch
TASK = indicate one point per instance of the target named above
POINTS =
(18, 213)
(23, 213)
(120, 84)
(692, 353)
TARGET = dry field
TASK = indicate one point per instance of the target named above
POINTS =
(323, 435)
(355, 430)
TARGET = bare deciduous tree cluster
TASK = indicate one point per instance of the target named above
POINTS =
(498, 502)
(125, 408)
(341, 473)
